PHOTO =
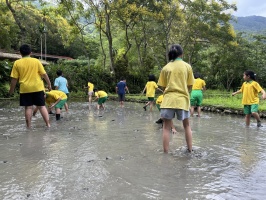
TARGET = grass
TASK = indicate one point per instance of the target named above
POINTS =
(211, 98)
(226, 100)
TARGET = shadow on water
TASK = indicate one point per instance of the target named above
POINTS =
(117, 154)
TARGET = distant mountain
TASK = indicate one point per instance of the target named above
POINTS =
(250, 24)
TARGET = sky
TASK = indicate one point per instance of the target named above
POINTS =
(249, 7)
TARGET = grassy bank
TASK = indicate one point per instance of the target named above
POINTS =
(211, 98)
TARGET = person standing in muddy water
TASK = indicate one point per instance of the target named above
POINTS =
(102, 97)
(121, 89)
(61, 84)
(29, 72)
(196, 95)
(150, 89)
(176, 78)
(56, 99)
(90, 91)
(250, 89)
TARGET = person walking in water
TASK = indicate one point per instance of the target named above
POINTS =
(177, 79)
(196, 96)
(150, 88)
(61, 84)
(29, 72)
(90, 91)
(121, 89)
(250, 89)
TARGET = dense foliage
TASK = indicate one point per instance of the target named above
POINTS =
(110, 39)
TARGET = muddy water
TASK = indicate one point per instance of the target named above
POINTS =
(117, 154)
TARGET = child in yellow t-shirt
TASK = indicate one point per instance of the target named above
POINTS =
(250, 89)
(102, 97)
(56, 99)
(196, 95)
(176, 78)
(150, 88)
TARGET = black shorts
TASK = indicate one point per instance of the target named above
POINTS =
(121, 97)
(33, 98)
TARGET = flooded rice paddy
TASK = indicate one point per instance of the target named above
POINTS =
(117, 155)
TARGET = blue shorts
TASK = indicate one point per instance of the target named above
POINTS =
(121, 97)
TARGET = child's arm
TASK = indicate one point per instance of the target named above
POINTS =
(57, 101)
(237, 92)
(159, 89)
(189, 87)
(143, 90)
(263, 94)
(127, 89)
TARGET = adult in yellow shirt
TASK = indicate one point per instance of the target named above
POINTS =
(250, 89)
(196, 95)
(29, 72)
(102, 97)
(56, 99)
(177, 79)
(150, 89)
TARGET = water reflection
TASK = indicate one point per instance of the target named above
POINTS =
(117, 154)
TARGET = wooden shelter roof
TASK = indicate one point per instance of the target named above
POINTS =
(13, 57)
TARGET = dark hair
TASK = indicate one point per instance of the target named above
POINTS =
(122, 78)
(175, 51)
(197, 75)
(251, 74)
(25, 50)
(151, 77)
(59, 72)
(95, 90)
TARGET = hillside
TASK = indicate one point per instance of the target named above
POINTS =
(254, 24)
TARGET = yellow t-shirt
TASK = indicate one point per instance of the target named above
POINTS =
(159, 99)
(250, 92)
(175, 77)
(28, 71)
(151, 86)
(54, 95)
(101, 94)
(198, 84)
(90, 87)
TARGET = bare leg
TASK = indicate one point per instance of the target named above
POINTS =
(257, 117)
(35, 111)
(90, 99)
(247, 119)
(188, 133)
(44, 114)
(151, 105)
(198, 110)
(28, 115)
(66, 107)
(173, 127)
(192, 110)
(146, 105)
(166, 130)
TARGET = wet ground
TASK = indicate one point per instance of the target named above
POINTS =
(117, 155)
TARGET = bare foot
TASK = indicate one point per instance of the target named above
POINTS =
(174, 131)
